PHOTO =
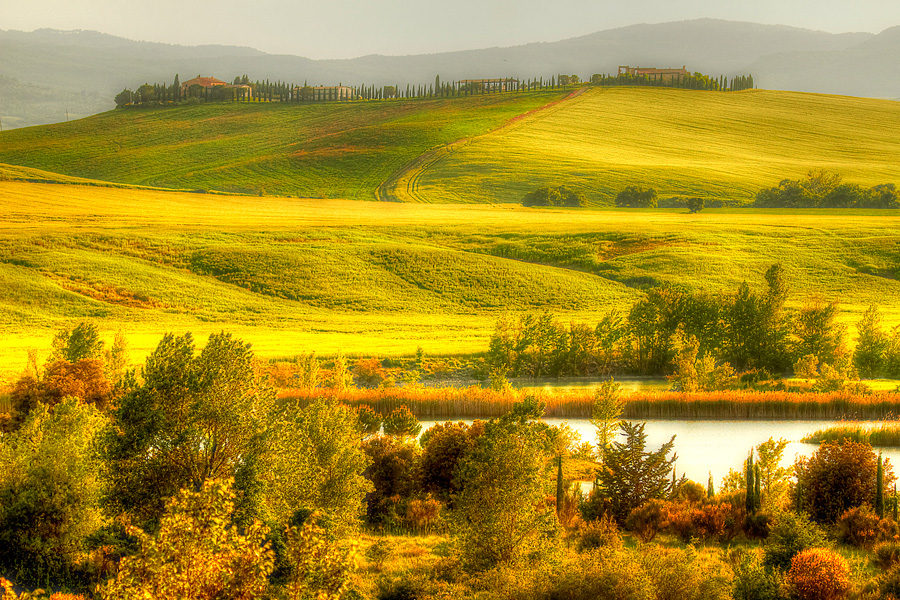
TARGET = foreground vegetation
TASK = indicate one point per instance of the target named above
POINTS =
(190, 479)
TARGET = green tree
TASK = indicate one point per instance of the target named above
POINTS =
(818, 332)
(193, 418)
(401, 423)
(695, 205)
(774, 479)
(606, 413)
(500, 514)
(197, 554)
(341, 378)
(316, 464)
(444, 446)
(637, 197)
(72, 345)
(49, 492)
(871, 345)
(631, 475)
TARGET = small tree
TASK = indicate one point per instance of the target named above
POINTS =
(695, 205)
(606, 413)
(631, 475)
(637, 197)
(401, 423)
(871, 345)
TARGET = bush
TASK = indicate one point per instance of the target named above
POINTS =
(443, 447)
(886, 554)
(603, 533)
(369, 372)
(603, 575)
(838, 476)
(646, 520)
(681, 575)
(858, 526)
(752, 580)
(819, 574)
(392, 471)
(401, 423)
(791, 533)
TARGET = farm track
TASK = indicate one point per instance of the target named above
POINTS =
(403, 184)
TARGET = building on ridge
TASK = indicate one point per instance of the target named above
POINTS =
(654, 73)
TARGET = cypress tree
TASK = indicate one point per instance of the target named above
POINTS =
(749, 484)
(757, 495)
(879, 488)
(710, 490)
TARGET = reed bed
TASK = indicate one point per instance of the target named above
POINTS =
(476, 402)
(886, 434)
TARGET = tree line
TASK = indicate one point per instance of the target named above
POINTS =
(701, 340)
(695, 81)
(822, 189)
(161, 94)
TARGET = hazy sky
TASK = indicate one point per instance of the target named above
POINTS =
(349, 28)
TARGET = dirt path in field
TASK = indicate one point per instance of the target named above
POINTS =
(403, 184)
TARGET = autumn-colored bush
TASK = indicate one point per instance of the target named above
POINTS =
(602, 533)
(369, 372)
(858, 526)
(838, 476)
(819, 574)
(423, 514)
(646, 520)
(444, 445)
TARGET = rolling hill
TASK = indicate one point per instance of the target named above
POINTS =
(326, 150)
(293, 275)
(491, 148)
(680, 142)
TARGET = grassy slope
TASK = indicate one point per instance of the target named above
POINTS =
(318, 150)
(294, 275)
(680, 142)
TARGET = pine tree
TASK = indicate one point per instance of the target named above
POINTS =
(879, 488)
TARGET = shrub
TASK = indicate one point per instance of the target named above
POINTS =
(604, 575)
(393, 473)
(443, 447)
(836, 477)
(681, 575)
(401, 423)
(646, 520)
(752, 580)
(819, 574)
(757, 525)
(603, 533)
(369, 372)
(791, 533)
(886, 554)
(858, 526)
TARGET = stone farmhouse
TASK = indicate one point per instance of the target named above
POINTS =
(653, 73)
(212, 82)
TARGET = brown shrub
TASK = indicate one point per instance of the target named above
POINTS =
(819, 574)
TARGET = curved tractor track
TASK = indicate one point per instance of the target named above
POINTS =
(403, 184)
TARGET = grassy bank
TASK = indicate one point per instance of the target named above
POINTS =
(885, 434)
(475, 402)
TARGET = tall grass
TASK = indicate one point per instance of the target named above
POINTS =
(475, 402)
(885, 434)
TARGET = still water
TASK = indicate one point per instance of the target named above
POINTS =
(717, 446)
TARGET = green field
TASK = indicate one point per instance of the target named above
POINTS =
(680, 142)
(293, 275)
(326, 150)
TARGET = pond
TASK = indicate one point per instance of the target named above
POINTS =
(717, 446)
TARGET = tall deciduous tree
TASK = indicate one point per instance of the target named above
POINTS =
(195, 417)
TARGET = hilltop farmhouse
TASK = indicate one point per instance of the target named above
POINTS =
(654, 73)
(212, 82)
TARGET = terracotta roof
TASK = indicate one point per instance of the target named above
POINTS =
(204, 81)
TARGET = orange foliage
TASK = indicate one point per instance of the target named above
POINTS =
(819, 574)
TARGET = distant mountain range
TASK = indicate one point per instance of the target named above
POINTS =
(47, 72)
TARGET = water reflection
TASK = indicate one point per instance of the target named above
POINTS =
(717, 446)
